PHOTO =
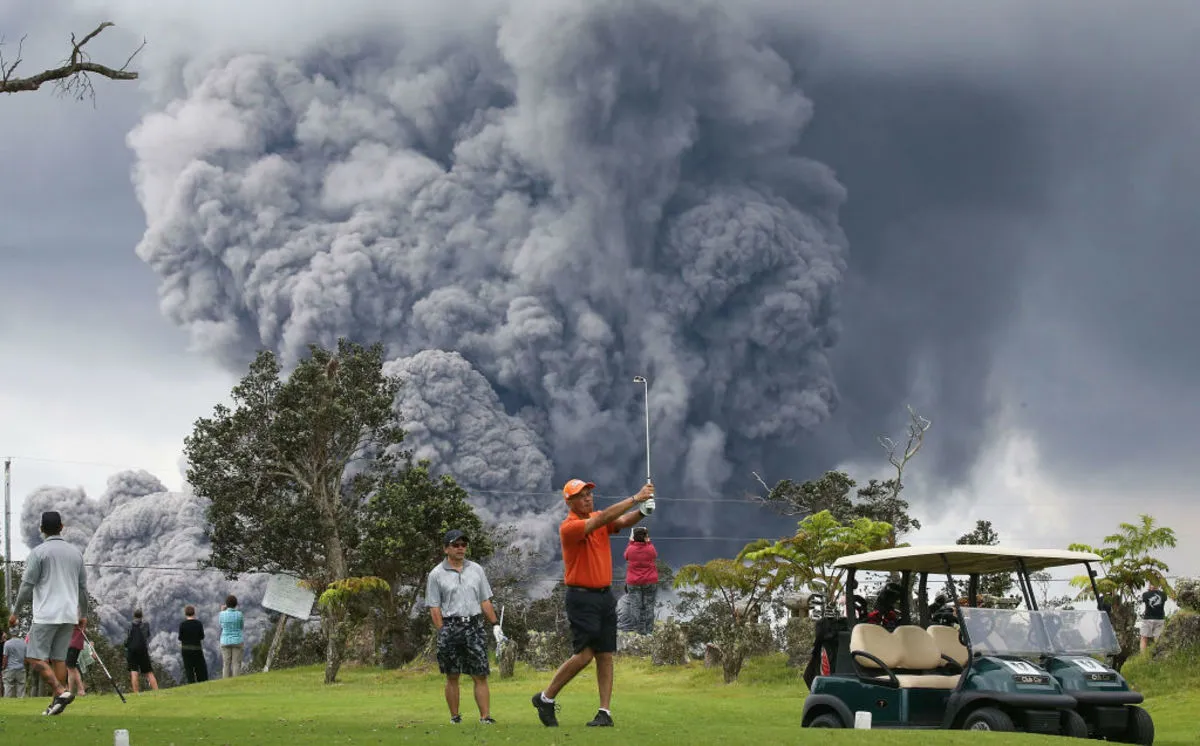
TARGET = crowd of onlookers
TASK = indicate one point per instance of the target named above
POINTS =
(18, 678)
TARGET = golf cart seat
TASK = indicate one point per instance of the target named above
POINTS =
(948, 643)
(909, 655)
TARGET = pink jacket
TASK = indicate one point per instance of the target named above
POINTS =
(640, 568)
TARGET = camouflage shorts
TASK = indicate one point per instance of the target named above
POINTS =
(462, 647)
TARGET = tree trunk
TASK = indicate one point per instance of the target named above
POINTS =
(731, 665)
(335, 648)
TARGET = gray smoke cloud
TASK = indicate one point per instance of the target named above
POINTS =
(566, 194)
(601, 190)
(141, 545)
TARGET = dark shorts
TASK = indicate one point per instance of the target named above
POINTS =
(462, 647)
(139, 661)
(593, 619)
(73, 657)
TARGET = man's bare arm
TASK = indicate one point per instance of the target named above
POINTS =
(613, 512)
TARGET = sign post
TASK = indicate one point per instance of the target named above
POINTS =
(286, 595)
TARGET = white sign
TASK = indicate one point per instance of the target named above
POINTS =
(1091, 665)
(286, 595)
(1021, 667)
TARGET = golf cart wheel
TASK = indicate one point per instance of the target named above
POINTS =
(828, 720)
(1073, 725)
(988, 718)
(1140, 727)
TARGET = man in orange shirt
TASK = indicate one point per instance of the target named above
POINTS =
(591, 606)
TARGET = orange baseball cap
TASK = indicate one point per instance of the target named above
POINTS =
(574, 487)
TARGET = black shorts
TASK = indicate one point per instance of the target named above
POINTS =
(139, 661)
(593, 618)
(73, 657)
(462, 647)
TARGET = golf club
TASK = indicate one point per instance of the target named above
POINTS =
(104, 668)
(646, 386)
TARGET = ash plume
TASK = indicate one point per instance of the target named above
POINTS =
(528, 216)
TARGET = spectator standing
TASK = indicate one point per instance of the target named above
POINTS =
(1154, 614)
(459, 597)
(191, 647)
(641, 579)
(13, 665)
(231, 621)
(137, 653)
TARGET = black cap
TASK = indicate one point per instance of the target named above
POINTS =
(51, 522)
(454, 535)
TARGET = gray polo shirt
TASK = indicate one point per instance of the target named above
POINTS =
(457, 593)
(14, 648)
(56, 581)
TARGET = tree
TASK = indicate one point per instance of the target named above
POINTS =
(72, 77)
(740, 587)
(287, 470)
(1000, 584)
(401, 540)
(878, 500)
(807, 557)
(1128, 565)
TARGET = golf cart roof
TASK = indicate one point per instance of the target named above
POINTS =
(964, 559)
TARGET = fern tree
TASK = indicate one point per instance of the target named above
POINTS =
(1128, 564)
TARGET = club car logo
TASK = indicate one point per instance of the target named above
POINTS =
(1022, 668)
(1026, 673)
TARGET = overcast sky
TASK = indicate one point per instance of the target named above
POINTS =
(1020, 221)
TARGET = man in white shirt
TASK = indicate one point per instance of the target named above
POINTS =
(56, 582)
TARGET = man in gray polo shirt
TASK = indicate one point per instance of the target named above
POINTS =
(13, 665)
(56, 582)
(459, 596)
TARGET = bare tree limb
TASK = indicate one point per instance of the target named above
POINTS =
(916, 437)
(72, 77)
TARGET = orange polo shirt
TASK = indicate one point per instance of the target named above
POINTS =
(587, 558)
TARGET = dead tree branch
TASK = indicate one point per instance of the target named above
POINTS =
(916, 437)
(73, 76)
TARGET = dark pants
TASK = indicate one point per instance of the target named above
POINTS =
(592, 614)
(195, 667)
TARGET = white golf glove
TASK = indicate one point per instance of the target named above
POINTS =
(499, 634)
(647, 507)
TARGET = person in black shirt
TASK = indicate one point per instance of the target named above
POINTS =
(1154, 607)
(191, 645)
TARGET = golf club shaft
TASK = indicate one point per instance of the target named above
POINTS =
(104, 668)
(647, 397)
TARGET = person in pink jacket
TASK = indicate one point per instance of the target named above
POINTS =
(641, 580)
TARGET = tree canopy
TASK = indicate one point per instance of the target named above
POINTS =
(276, 467)
(999, 584)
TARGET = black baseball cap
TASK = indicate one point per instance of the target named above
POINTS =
(51, 521)
(454, 535)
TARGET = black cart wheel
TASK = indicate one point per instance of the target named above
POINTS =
(1140, 727)
(1073, 725)
(988, 718)
(828, 720)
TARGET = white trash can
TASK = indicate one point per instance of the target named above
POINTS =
(862, 720)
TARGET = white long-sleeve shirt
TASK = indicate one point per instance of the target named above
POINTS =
(56, 581)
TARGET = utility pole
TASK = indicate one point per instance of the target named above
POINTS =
(8, 599)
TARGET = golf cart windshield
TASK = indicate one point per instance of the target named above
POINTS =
(1035, 633)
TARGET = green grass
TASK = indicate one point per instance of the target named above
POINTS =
(654, 705)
